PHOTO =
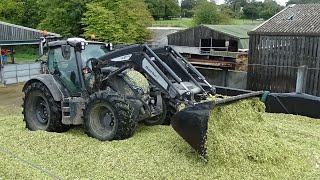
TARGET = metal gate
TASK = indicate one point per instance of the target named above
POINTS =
(18, 73)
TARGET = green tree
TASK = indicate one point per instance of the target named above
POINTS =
(31, 14)
(207, 13)
(21, 12)
(11, 11)
(269, 8)
(186, 8)
(117, 21)
(235, 5)
(63, 17)
(165, 9)
(264, 10)
(303, 2)
(251, 11)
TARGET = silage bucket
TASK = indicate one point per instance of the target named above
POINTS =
(191, 123)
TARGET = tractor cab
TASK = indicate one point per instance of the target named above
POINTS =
(67, 58)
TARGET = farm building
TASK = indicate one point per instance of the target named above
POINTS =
(12, 35)
(213, 37)
(279, 46)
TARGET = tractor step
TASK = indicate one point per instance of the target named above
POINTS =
(66, 108)
(72, 110)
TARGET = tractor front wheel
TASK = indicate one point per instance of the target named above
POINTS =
(108, 116)
(160, 119)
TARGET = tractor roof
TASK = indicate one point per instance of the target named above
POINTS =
(72, 42)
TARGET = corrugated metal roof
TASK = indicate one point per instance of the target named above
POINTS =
(300, 19)
(237, 31)
(15, 32)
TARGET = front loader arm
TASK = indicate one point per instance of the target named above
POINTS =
(185, 68)
(148, 62)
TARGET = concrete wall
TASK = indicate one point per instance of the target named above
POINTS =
(233, 79)
(19, 73)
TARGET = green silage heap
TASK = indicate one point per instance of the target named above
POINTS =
(244, 142)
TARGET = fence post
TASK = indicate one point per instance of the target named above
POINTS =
(225, 77)
(301, 79)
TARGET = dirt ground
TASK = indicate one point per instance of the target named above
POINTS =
(11, 96)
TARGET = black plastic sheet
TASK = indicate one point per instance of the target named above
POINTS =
(293, 103)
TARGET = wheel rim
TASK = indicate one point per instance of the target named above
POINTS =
(41, 110)
(103, 121)
(159, 119)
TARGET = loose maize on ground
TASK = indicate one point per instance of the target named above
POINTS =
(243, 143)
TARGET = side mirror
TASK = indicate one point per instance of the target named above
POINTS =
(66, 52)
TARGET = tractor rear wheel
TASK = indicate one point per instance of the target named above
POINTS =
(108, 116)
(40, 110)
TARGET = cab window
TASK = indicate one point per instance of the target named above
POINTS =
(66, 69)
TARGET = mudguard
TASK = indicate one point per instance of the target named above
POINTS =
(57, 90)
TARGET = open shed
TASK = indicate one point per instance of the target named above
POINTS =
(279, 46)
(213, 37)
(12, 35)
(12, 32)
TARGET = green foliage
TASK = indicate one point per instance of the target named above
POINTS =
(117, 21)
(186, 8)
(268, 9)
(165, 9)
(63, 17)
(235, 5)
(253, 9)
(31, 14)
(11, 11)
(250, 11)
(207, 13)
(264, 10)
(303, 1)
(21, 12)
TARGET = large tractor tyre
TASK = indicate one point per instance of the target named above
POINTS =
(41, 111)
(108, 116)
(160, 119)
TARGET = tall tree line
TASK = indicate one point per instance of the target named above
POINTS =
(252, 9)
(109, 20)
(127, 20)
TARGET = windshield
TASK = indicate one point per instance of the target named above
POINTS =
(93, 51)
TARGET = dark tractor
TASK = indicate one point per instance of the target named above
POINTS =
(110, 89)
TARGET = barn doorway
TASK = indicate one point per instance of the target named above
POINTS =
(208, 45)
